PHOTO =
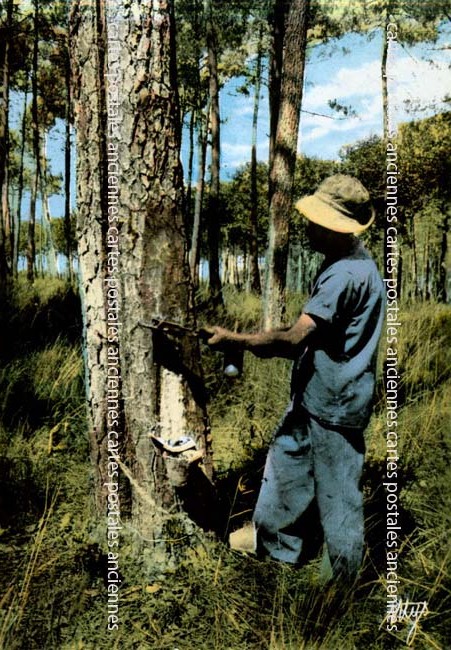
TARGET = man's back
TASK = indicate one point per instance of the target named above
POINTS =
(334, 379)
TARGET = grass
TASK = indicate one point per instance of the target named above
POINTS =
(52, 586)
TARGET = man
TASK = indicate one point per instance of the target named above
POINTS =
(315, 461)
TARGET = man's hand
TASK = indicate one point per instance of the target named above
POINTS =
(218, 338)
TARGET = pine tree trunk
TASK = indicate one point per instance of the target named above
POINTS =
(6, 234)
(31, 247)
(162, 381)
(88, 73)
(139, 239)
(384, 80)
(443, 272)
(189, 183)
(20, 181)
(283, 164)
(46, 225)
(277, 20)
(253, 240)
(194, 253)
(213, 197)
(415, 279)
(67, 166)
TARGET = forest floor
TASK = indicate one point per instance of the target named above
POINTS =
(52, 588)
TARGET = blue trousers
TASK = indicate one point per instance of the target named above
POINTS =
(312, 471)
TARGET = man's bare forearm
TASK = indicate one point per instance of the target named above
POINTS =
(283, 343)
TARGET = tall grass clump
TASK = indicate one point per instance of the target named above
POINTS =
(44, 476)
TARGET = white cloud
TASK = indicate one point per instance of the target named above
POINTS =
(417, 81)
(353, 80)
(234, 154)
(348, 83)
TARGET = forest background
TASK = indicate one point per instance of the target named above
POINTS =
(212, 241)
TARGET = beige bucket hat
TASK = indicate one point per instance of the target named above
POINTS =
(341, 203)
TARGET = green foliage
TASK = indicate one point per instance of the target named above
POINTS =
(417, 21)
(236, 200)
(424, 161)
(34, 316)
(235, 32)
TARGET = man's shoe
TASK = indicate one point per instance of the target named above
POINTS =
(244, 539)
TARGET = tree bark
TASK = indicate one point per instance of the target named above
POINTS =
(277, 20)
(31, 246)
(443, 271)
(213, 197)
(20, 181)
(6, 232)
(253, 240)
(88, 74)
(194, 253)
(67, 163)
(284, 160)
(46, 225)
(162, 380)
(384, 79)
(134, 258)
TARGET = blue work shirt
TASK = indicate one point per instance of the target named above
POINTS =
(334, 377)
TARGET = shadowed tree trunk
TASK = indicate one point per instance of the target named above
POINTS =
(88, 74)
(213, 197)
(194, 253)
(253, 240)
(31, 245)
(384, 79)
(6, 232)
(46, 225)
(442, 291)
(20, 180)
(67, 160)
(284, 160)
(277, 20)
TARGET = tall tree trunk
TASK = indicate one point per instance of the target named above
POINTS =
(253, 240)
(416, 282)
(443, 271)
(67, 161)
(189, 181)
(6, 234)
(162, 380)
(385, 103)
(277, 20)
(20, 181)
(133, 258)
(31, 246)
(194, 253)
(202, 138)
(427, 268)
(384, 79)
(284, 161)
(215, 121)
(88, 74)
(46, 225)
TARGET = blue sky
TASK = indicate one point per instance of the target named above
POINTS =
(347, 70)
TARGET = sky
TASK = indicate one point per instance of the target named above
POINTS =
(346, 70)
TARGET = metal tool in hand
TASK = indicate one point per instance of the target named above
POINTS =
(233, 360)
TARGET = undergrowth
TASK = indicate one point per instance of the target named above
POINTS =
(53, 591)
